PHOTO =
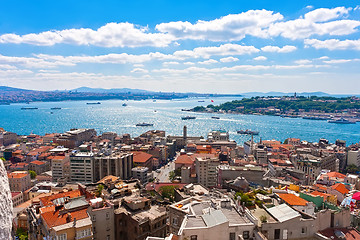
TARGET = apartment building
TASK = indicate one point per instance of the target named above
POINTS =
(7, 138)
(82, 167)
(19, 181)
(75, 137)
(102, 216)
(140, 173)
(206, 170)
(116, 164)
(59, 169)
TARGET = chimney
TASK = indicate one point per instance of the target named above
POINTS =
(185, 133)
(68, 218)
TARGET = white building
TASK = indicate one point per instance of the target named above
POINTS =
(209, 218)
(140, 173)
(82, 167)
(206, 171)
(353, 158)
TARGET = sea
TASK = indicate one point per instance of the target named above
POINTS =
(166, 115)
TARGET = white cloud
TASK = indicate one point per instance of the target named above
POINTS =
(232, 27)
(189, 63)
(229, 59)
(260, 58)
(323, 58)
(109, 35)
(222, 50)
(316, 22)
(139, 70)
(333, 44)
(207, 62)
(309, 7)
(336, 61)
(303, 61)
(170, 63)
(138, 65)
(284, 49)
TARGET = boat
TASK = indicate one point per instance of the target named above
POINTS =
(55, 108)
(92, 103)
(124, 104)
(29, 108)
(248, 132)
(215, 117)
(341, 121)
(185, 110)
(315, 118)
(187, 118)
(144, 124)
(201, 101)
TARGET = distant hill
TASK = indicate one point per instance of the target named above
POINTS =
(112, 90)
(305, 94)
(11, 89)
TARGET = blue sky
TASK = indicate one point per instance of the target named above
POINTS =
(182, 46)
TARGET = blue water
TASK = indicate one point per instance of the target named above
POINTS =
(112, 116)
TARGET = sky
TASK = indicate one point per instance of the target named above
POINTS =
(182, 46)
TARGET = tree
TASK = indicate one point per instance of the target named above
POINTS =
(32, 174)
(98, 192)
(168, 192)
(172, 175)
(352, 168)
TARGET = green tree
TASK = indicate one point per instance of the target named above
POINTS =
(22, 234)
(32, 174)
(98, 192)
(168, 192)
(172, 175)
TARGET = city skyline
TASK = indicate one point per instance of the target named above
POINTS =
(205, 47)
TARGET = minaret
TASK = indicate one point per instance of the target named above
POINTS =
(185, 134)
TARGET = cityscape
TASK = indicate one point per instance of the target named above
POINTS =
(180, 120)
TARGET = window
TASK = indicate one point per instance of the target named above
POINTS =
(303, 230)
(62, 237)
(107, 215)
(285, 234)
(193, 237)
(277, 234)
(246, 234)
(232, 236)
(93, 218)
(175, 221)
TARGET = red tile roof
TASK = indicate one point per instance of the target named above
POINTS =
(58, 157)
(335, 175)
(13, 194)
(17, 175)
(321, 187)
(53, 219)
(184, 159)
(36, 162)
(48, 199)
(350, 234)
(292, 199)
(141, 157)
(317, 193)
(340, 188)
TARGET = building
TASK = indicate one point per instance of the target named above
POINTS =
(206, 170)
(218, 135)
(17, 198)
(353, 157)
(140, 173)
(139, 219)
(298, 203)
(19, 181)
(39, 166)
(143, 159)
(59, 169)
(75, 137)
(208, 218)
(116, 164)
(82, 167)
(7, 138)
(102, 216)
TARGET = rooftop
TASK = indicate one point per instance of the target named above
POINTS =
(292, 199)
(53, 219)
(283, 212)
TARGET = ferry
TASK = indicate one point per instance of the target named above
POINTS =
(187, 118)
(214, 117)
(341, 121)
(29, 108)
(124, 104)
(55, 108)
(248, 132)
(144, 124)
(92, 103)
(201, 101)
(315, 118)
